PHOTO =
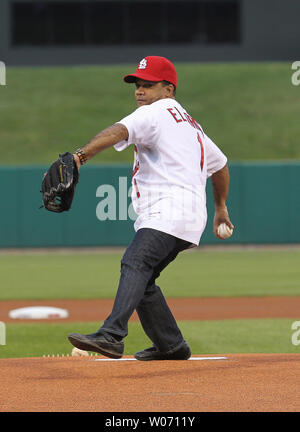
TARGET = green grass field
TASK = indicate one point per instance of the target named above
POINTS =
(251, 110)
(210, 273)
(205, 337)
(193, 274)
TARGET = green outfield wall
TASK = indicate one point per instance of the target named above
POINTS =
(264, 204)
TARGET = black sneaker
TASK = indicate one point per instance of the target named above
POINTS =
(182, 353)
(106, 344)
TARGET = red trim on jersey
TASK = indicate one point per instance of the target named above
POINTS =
(202, 151)
(136, 168)
(137, 165)
(136, 188)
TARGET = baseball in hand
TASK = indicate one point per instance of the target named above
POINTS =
(76, 352)
(224, 231)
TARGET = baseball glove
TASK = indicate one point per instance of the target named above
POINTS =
(59, 183)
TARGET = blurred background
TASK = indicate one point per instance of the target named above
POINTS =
(47, 32)
(64, 63)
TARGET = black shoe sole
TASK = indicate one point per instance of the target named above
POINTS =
(159, 358)
(183, 353)
(87, 345)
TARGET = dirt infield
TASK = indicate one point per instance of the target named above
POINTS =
(236, 383)
(240, 382)
(183, 309)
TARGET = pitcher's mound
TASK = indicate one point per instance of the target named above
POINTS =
(239, 382)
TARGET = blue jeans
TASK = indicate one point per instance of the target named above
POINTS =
(148, 254)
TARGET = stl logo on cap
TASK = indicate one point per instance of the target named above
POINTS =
(143, 64)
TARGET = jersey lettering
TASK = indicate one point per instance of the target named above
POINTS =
(180, 114)
(174, 115)
(193, 122)
(183, 117)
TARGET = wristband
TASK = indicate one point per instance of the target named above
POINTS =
(82, 156)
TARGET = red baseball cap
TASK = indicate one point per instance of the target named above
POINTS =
(154, 68)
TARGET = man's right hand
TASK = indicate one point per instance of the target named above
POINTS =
(221, 216)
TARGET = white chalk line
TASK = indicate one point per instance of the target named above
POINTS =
(133, 359)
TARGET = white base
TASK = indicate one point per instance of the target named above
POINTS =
(38, 312)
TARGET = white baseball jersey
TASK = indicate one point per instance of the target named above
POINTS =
(173, 159)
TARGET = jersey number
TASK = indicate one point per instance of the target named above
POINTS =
(202, 150)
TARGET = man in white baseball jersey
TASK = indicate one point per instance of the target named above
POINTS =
(173, 159)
